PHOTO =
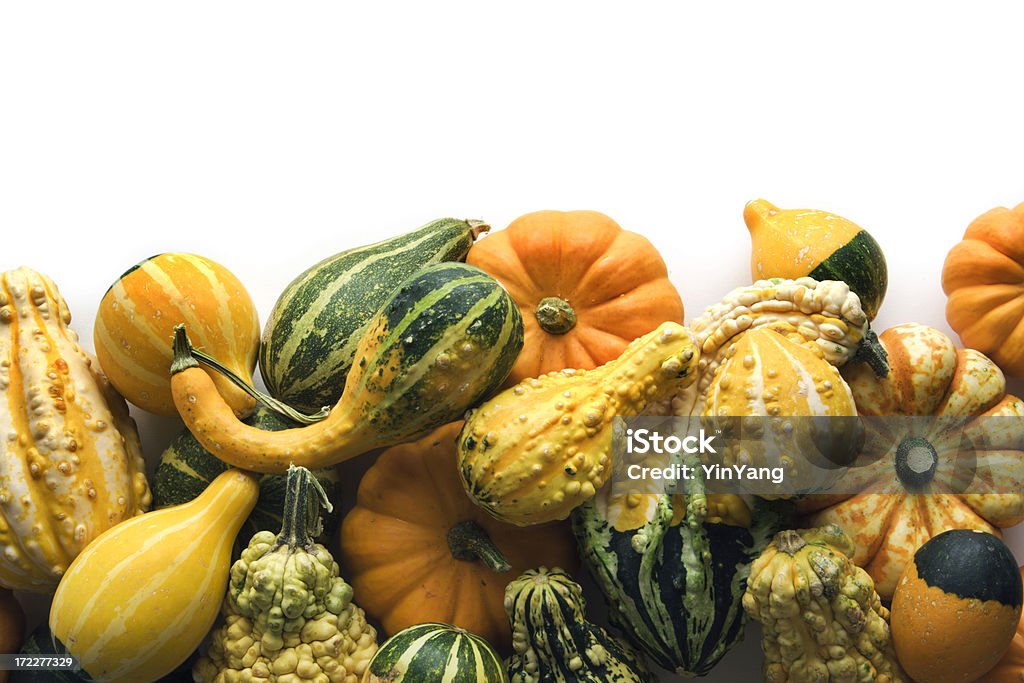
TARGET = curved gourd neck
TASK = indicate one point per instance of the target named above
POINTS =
(667, 355)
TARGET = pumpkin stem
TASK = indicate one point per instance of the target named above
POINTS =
(916, 463)
(186, 356)
(477, 228)
(555, 315)
(301, 510)
(789, 541)
(470, 542)
(873, 353)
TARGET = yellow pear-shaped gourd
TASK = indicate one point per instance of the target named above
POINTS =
(537, 450)
(141, 597)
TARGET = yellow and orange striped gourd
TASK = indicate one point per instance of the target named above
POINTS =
(71, 463)
(139, 600)
(135, 328)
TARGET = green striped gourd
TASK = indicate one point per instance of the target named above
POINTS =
(446, 339)
(673, 569)
(137, 602)
(552, 640)
(310, 339)
(186, 469)
(435, 652)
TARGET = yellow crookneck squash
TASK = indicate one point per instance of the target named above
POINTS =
(136, 319)
(984, 279)
(912, 471)
(538, 450)
(72, 462)
(586, 288)
(424, 553)
(140, 599)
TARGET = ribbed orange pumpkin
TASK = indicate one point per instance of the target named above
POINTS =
(984, 279)
(414, 546)
(136, 319)
(1010, 668)
(586, 288)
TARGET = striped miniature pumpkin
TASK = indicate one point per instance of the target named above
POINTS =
(135, 326)
(435, 652)
(309, 342)
(140, 598)
(71, 464)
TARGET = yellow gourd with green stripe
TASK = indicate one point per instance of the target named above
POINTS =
(141, 597)
(793, 243)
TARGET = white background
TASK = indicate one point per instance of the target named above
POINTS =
(268, 136)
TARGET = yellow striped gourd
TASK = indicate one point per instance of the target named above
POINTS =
(136, 319)
(139, 600)
(71, 464)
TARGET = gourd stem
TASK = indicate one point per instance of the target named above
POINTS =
(186, 356)
(555, 315)
(873, 353)
(301, 510)
(470, 542)
(477, 228)
(916, 463)
(789, 541)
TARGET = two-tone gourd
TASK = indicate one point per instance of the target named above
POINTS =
(435, 652)
(72, 462)
(310, 339)
(446, 339)
(541, 448)
(136, 319)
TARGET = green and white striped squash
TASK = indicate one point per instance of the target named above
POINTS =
(552, 640)
(673, 568)
(309, 341)
(435, 652)
(186, 469)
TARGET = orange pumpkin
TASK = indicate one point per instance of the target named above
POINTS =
(416, 549)
(585, 287)
(984, 279)
(1010, 669)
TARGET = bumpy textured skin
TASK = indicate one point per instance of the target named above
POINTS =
(928, 376)
(446, 339)
(821, 618)
(72, 463)
(823, 314)
(536, 451)
(288, 617)
(794, 243)
(310, 339)
(435, 652)
(673, 569)
(615, 282)
(554, 643)
(135, 325)
(396, 553)
(984, 279)
(139, 599)
(766, 374)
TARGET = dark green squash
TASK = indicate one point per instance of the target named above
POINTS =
(674, 580)
(435, 652)
(310, 339)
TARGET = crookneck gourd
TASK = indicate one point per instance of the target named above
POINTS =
(537, 450)
(959, 466)
(446, 339)
(825, 314)
(552, 640)
(309, 342)
(821, 618)
(287, 614)
(425, 552)
(135, 324)
(586, 288)
(72, 462)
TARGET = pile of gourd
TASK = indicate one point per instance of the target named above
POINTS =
(490, 368)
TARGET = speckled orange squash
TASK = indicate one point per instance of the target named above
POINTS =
(416, 549)
(984, 279)
(956, 608)
(135, 327)
(1010, 668)
(586, 287)
(928, 376)
(71, 462)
